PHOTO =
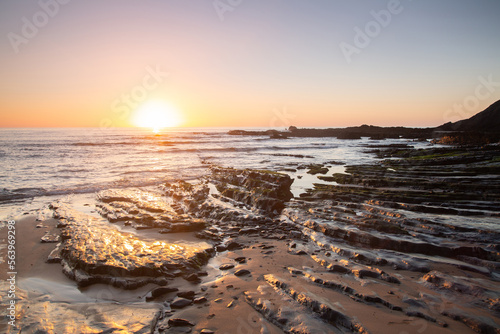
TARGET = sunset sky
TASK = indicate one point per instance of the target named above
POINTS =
(239, 63)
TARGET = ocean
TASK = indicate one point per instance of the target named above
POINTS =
(40, 165)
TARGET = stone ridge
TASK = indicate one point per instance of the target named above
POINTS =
(264, 190)
(487, 120)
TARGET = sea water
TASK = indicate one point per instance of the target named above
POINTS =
(38, 165)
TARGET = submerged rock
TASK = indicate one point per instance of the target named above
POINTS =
(178, 322)
(180, 303)
(186, 294)
(207, 331)
(226, 266)
(200, 300)
(193, 278)
(242, 272)
(240, 259)
(160, 292)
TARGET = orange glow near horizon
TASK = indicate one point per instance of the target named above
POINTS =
(272, 64)
(156, 114)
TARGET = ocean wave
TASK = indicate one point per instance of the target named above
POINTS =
(8, 196)
(298, 147)
(144, 179)
(208, 149)
(155, 143)
(73, 170)
(20, 193)
(104, 144)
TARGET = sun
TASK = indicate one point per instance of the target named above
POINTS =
(156, 115)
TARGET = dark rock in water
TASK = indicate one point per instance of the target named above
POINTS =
(193, 278)
(200, 300)
(317, 169)
(207, 331)
(232, 245)
(160, 292)
(335, 268)
(178, 322)
(229, 245)
(362, 273)
(186, 294)
(240, 259)
(180, 303)
(161, 281)
(221, 248)
(296, 271)
(226, 266)
(241, 272)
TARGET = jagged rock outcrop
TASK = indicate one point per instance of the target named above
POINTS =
(263, 190)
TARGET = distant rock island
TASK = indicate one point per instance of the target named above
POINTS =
(356, 132)
(482, 126)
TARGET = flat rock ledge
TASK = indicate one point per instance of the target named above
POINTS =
(93, 252)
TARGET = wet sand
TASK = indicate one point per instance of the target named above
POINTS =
(31, 254)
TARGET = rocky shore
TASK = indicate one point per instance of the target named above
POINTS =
(406, 245)
(355, 132)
